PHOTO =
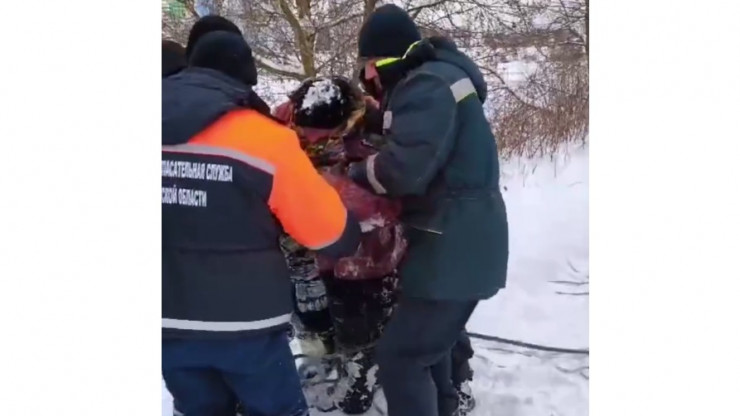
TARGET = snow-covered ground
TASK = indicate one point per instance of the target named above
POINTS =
(547, 203)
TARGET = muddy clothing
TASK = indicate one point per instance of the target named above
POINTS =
(347, 302)
(348, 316)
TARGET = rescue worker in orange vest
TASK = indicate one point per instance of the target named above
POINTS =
(232, 179)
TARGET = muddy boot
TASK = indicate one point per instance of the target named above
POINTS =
(310, 351)
(466, 401)
(361, 381)
(462, 374)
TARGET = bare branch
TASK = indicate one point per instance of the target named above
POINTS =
(289, 16)
(261, 63)
(414, 11)
(305, 47)
(572, 370)
(581, 371)
(339, 21)
(338, 53)
(531, 112)
(512, 92)
(572, 267)
(568, 282)
(369, 7)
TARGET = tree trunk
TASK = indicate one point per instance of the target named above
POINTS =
(303, 40)
(369, 7)
(588, 38)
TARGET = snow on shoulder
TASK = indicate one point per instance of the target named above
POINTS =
(321, 92)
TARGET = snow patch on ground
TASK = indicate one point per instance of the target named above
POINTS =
(519, 382)
(547, 204)
(167, 408)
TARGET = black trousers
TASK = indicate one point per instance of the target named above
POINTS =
(415, 356)
(357, 310)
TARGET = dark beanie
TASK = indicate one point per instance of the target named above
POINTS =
(388, 32)
(324, 102)
(208, 24)
(173, 57)
(226, 52)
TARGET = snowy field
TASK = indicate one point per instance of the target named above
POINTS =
(544, 303)
(547, 203)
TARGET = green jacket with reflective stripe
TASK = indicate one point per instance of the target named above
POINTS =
(441, 159)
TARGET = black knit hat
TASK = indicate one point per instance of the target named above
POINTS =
(208, 24)
(388, 32)
(225, 52)
(173, 57)
(324, 103)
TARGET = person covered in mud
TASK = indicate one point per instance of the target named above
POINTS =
(342, 306)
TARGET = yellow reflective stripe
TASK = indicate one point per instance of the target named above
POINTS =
(386, 61)
(411, 47)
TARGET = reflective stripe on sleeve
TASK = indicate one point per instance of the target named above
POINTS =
(462, 88)
(374, 182)
(198, 149)
(224, 326)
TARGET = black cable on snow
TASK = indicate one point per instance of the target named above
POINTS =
(581, 351)
(527, 344)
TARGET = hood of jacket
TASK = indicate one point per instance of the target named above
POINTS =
(195, 98)
(433, 49)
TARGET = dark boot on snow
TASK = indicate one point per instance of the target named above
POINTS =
(462, 374)
(466, 401)
(362, 382)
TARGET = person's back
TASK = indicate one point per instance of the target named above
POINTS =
(232, 179)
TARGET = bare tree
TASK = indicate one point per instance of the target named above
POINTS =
(290, 39)
(533, 53)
